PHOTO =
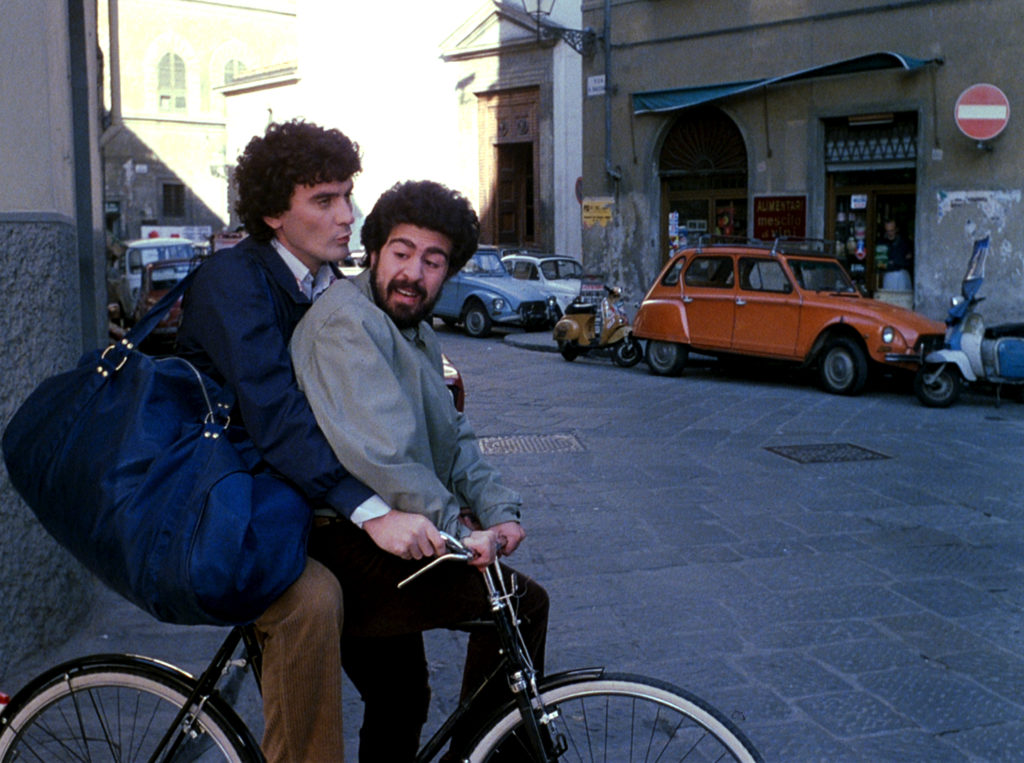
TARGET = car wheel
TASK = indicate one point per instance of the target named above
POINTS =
(569, 351)
(937, 386)
(628, 352)
(666, 358)
(843, 367)
(476, 320)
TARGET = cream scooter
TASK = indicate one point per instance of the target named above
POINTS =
(598, 326)
(973, 353)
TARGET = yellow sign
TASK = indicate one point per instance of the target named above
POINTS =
(597, 210)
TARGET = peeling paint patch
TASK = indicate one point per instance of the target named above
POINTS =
(991, 205)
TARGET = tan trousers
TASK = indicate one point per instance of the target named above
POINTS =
(301, 638)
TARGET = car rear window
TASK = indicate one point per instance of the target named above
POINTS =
(758, 274)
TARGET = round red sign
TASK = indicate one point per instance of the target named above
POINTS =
(982, 111)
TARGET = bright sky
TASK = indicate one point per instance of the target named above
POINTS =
(374, 71)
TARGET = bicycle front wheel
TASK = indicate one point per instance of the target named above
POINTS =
(623, 718)
(118, 708)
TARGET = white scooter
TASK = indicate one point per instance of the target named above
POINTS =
(972, 353)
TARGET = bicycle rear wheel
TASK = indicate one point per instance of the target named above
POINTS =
(623, 718)
(117, 708)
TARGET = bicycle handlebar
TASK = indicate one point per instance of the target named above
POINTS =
(456, 550)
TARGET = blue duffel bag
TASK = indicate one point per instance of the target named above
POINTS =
(130, 463)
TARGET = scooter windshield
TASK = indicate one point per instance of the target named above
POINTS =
(976, 265)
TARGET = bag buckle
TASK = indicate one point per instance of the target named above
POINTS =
(215, 422)
(105, 371)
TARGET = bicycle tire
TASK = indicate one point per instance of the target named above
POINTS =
(625, 718)
(117, 707)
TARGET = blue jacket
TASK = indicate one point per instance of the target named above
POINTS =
(237, 320)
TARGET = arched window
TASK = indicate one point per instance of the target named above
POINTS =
(171, 82)
(703, 169)
(232, 70)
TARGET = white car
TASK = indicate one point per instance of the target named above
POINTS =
(556, 275)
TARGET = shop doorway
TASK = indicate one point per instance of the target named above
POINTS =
(703, 170)
(871, 177)
(859, 204)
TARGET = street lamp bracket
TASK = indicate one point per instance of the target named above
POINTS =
(583, 41)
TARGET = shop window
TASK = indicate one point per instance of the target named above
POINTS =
(703, 169)
(171, 83)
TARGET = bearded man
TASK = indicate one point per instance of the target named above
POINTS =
(370, 366)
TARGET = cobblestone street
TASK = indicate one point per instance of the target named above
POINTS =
(841, 576)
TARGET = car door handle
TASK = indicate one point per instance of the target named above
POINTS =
(740, 301)
(687, 300)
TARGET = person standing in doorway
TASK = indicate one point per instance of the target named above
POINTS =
(901, 253)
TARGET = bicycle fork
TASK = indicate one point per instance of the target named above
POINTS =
(537, 720)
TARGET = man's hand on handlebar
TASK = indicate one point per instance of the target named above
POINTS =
(409, 536)
(511, 534)
(486, 544)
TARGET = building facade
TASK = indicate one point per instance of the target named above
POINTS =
(765, 119)
(170, 63)
(519, 112)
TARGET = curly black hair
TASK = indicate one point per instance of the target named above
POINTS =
(288, 155)
(429, 205)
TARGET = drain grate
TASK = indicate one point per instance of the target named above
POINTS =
(530, 443)
(827, 453)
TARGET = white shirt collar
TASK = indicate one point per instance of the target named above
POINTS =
(309, 283)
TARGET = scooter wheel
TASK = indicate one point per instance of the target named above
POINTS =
(937, 386)
(569, 351)
(628, 352)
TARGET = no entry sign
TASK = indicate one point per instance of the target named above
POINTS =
(982, 111)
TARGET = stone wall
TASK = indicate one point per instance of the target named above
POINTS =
(44, 591)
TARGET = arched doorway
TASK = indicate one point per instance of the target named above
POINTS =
(703, 171)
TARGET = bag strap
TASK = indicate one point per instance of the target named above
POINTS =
(148, 322)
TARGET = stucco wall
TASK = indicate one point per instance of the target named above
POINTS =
(44, 591)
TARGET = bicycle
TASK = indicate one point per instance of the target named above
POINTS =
(130, 708)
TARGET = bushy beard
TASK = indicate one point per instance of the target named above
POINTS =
(402, 316)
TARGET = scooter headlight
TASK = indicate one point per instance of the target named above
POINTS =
(888, 335)
(956, 300)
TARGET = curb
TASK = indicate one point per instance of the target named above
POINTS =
(539, 341)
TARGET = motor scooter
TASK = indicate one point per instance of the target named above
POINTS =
(595, 323)
(972, 353)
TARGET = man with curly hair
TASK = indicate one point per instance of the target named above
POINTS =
(370, 366)
(294, 198)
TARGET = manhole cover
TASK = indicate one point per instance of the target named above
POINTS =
(530, 443)
(827, 453)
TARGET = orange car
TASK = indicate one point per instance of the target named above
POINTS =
(788, 300)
